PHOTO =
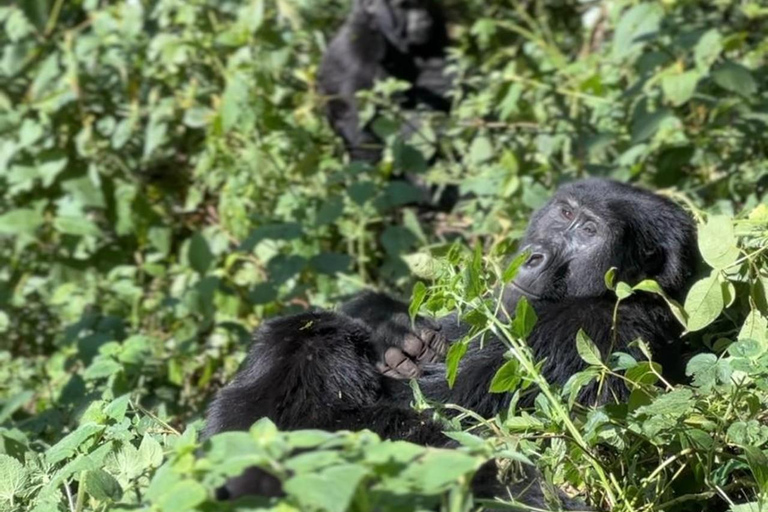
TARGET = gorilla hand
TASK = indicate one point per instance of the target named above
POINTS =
(402, 348)
(406, 360)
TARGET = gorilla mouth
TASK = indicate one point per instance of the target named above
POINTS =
(525, 291)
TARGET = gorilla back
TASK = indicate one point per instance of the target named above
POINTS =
(346, 370)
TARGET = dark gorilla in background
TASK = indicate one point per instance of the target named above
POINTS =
(344, 370)
(403, 39)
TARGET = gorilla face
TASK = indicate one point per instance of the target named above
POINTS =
(404, 23)
(593, 225)
(569, 248)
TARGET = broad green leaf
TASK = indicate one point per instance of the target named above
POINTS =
(417, 299)
(635, 27)
(199, 254)
(736, 78)
(707, 371)
(675, 403)
(71, 442)
(422, 265)
(679, 88)
(438, 469)
(651, 286)
(708, 50)
(587, 349)
(643, 373)
(481, 150)
(19, 221)
(330, 490)
(150, 452)
(78, 226)
(717, 242)
(102, 486)
(507, 377)
(623, 290)
(758, 463)
(13, 478)
(525, 319)
(755, 328)
(514, 266)
(610, 278)
(184, 496)
(452, 359)
(704, 303)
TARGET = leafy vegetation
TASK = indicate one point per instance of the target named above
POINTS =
(168, 181)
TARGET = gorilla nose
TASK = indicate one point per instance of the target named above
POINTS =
(537, 258)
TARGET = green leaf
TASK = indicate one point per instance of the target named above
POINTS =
(643, 373)
(610, 278)
(708, 50)
(417, 299)
(13, 478)
(587, 349)
(514, 266)
(19, 221)
(735, 78)
(623, 290)
(452, 359)
(651, 286)
(679, 88)
(438, 469)
(199, 254)
(102, 486)
(634, 28)
(331, 490)
(507, 377)
(717, 241)
(707, 370)
(755, 328)
(675, 403)
(150, 452)
(481, 150)
(182, 497)
(758, 463)
(77, 226)
(525, 319)
(71, 442)
(116, 408)
(704, 303)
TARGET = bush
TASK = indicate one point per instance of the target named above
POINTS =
(168, 181)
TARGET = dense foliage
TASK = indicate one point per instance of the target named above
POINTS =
(168, 181)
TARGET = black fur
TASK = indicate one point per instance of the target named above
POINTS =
(319, 370)
(376, 43)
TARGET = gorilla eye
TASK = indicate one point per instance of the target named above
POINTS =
(566, 213)
(590, 229)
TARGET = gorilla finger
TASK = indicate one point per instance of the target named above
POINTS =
(435, 340)
(389, 372)
(401, 363)
(413, 345)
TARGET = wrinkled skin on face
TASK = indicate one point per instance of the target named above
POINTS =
(593, 225)
(405, 23)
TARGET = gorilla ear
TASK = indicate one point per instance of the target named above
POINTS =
(381, 13)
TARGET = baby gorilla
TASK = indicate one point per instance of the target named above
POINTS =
(335, 370)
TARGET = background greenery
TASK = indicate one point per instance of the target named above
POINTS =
(168, 181)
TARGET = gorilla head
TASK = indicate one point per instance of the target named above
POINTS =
(406, 24)
(593, 225)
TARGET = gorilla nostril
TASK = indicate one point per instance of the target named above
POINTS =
(534, 260)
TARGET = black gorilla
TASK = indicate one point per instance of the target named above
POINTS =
(403, 39)
(334, 370)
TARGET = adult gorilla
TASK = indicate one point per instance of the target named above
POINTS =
(334, 370)
(403, 39)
